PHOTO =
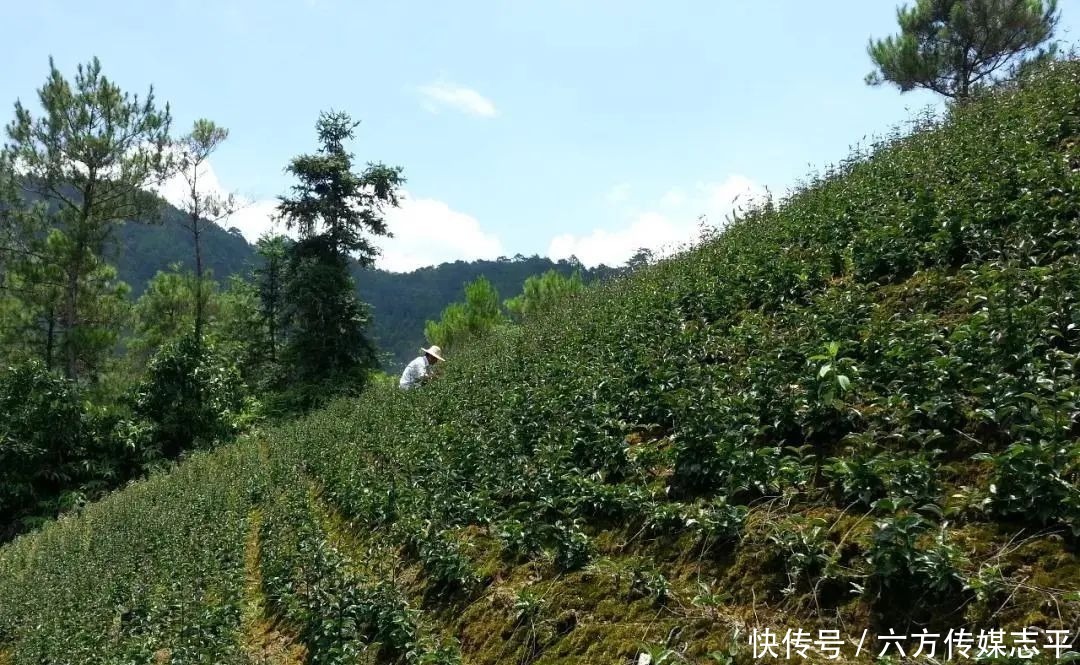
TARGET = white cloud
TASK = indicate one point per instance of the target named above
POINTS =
(649, 229)
(662, 232)
(428, 232)
(252, 216)
(441, 95)
(255, 218)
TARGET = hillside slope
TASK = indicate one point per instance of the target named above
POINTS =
(857, 411)
(140, 250)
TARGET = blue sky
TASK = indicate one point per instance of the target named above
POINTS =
(555, 127)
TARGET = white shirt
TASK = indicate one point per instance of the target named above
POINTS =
(414, 372)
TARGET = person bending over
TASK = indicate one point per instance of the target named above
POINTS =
(419, 370)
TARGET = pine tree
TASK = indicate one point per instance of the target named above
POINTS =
(462, 322)
(954, 47)
(334, 210)
(542, 291)
(166, 311)
(90, 156)
(202, 207)
(238, 331)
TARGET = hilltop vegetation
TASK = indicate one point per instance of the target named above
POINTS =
(856, 410)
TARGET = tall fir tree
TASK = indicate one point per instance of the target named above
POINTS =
(90, 155)
(335, 211)
(955, 47)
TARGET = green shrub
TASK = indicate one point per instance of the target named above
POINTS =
(1039, 483)
(57, 450)
(806, 551)
(864, 476)
(904, 568)
(192, 396)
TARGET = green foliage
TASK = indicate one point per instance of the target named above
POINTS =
(166, 310)
(804, 547)
(139, 251)
(440, 556)
(1038, 482)
(328, 352)
(647, 582)
(203, 208)
(192, 396)
(55, 452)
(462, 322)
(904, 568)
(541, 292)
(237, 330)
(954, 47)
(402, 302)
(337, 607)
(332, 202)
(89, 155)
(865, 475)
(270, 279)
(158, 564)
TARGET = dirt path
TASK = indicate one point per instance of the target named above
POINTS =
(266, 641)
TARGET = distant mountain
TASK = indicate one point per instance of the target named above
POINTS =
(401, 302)
(142, 249)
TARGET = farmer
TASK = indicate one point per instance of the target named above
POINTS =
(419, 370)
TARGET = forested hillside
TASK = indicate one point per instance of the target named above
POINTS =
(400, 302)
(140, 250)
(853, 410)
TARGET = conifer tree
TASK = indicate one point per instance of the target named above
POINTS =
(202, 207)
(461, 322)
(335, 210)
(90, 154)
(954, 47)
(542, 291)
(273, 250)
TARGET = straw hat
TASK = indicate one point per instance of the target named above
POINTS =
(434, 351)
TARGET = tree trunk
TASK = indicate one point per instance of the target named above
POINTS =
(199, 308)
(71, 310)
(71, 313)
(50, 337)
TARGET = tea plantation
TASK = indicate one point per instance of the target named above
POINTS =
(854, 410)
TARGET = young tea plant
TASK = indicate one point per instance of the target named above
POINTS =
(806, 550)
